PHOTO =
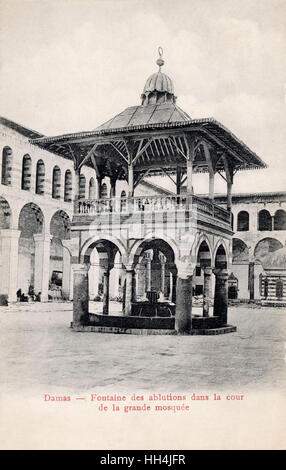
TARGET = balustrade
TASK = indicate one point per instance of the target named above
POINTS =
(151, 204)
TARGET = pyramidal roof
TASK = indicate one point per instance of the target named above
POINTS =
(146, 114)
(158, 104)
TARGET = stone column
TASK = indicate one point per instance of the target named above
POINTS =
(174, 288)
(134, 286)
(129, 276)
(9, 262)
(66, 273)
(229, 195)
(251, 280)
(76, 190)
(207, 291)
(211, 186)
(106, 276)
(148, 272)
(80, 293)
(163, 272)
(42, 264)
(183, 318)
(170, 286)
(221, 295)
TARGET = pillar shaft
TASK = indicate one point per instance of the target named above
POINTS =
(42, 264)
(174, 288)
(178, 180)
(251, 280)
(221, 295)
(80, 293)
(76, 190)
(130, 181)
(148, 274)
(106, 276)
(207, 291)
(9, 262)
(66, 274)
(163, 268)
(129, 276)
(190, 159)
(162, 259)
(183, 318)
(229, 195)
(211, 186)
(134, 286)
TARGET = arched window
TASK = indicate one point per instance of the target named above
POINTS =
(6, 165)
(40, 177)
(92, 193)
(104, 191)
(242, 221)
(56, 189)
(68, 186)
(82, 186)
(279, 288)
(264, 221)
(123, 201)
(26, 173)
(280, 220)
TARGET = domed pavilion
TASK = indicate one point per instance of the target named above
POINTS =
(159, 240)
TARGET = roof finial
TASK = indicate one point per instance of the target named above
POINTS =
(160, 61)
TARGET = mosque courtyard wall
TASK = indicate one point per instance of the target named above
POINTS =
(34, 224)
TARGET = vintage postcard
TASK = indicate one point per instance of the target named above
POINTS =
(143, 225)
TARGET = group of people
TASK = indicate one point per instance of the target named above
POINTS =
(22, 297)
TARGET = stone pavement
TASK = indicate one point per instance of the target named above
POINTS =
(40, 352)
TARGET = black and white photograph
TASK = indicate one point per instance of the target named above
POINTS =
(143, 225)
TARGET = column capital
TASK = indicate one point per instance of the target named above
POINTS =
(220, 272)
(80, 268)
(208, 270)
(185, 269)
(42, 237)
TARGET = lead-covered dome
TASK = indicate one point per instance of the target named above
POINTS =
(159, 87)
(159, 82)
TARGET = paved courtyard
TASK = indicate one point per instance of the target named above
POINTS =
(40, 352)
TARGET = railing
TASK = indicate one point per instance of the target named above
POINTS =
(151, 204)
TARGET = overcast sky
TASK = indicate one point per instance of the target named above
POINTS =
(70, 65)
